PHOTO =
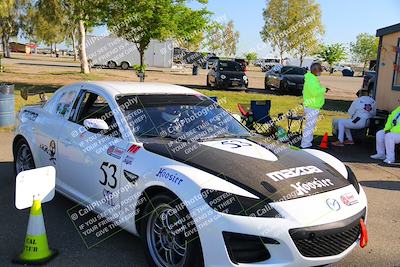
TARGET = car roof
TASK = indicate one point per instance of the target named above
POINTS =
(125, 88)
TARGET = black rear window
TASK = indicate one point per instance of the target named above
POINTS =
(293, 70)
(229, 66)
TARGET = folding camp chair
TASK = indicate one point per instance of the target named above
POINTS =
(246, 115)
(260, 111)
(293, 117)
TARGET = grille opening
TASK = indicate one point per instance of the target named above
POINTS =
(246, 248)
(329, 239)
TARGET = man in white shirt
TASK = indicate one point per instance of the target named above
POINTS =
(362, 109)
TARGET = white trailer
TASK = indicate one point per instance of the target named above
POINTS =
(118, 52)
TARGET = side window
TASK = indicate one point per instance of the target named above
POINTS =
(94, 106)
(65, 102)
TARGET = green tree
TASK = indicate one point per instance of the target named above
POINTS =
(331, 54)
(307, 28)
(49, 22)
(214, 34)
(251, 56)
(83, 14)
(141, 21)
(11, 12)
(222, 38)
(277, 25)
(231, 39)
(292, 26)
(365, 48)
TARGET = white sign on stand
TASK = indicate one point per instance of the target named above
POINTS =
(38, 184)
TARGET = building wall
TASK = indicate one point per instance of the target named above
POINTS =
(387, 98)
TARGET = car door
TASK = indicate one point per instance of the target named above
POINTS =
(48, 126)
(90, 160)
(212, 75)
(275, 78)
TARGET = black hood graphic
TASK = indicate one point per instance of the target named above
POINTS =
(295, 174)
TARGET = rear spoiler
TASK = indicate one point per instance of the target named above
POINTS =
(25, 94)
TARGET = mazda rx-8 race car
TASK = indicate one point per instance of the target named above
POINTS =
(171, 165)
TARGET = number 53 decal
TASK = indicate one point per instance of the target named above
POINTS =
(105, 181)
(235, 143)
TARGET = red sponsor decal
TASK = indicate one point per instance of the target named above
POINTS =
(348, 199)
(133, 149)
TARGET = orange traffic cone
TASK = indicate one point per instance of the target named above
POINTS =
(324, 142)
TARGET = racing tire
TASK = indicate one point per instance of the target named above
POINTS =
(111, 65)
(124, 65)
(165, 234)
(23, 157)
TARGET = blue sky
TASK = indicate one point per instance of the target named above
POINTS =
(343, 19)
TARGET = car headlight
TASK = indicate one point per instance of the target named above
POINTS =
(238, 205)
(351, 177)
(245, 78)
(223, 77)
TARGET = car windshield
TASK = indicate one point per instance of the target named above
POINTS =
(181, 117)
(229, 66)
(293, 70)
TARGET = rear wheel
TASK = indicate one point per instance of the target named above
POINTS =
(23, 157)
(170, 235)
(124, 65)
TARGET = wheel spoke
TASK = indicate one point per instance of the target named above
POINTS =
(181, 251)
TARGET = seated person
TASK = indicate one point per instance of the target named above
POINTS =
(362, 109)
(388, 137)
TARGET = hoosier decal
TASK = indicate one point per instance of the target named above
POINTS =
(167, 175)
(292, 173)
(307, 187)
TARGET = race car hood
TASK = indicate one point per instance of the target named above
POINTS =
(285, 174)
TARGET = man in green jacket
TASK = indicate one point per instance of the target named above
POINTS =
(314, 99)
(387, 138)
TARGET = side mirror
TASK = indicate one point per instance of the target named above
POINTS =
(95, 124)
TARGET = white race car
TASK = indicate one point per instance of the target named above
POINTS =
(169, 164)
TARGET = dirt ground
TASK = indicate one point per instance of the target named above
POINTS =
(41, 69)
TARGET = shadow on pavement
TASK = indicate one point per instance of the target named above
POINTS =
(387, 185)
(337, 105)
(48, 65)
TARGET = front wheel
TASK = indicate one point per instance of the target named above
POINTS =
(169, 234)
(23, 157)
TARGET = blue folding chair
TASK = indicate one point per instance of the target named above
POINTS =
(260, 111)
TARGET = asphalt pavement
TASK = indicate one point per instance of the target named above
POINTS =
(381, 183)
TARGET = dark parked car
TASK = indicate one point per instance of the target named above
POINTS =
(348, 73)
(242, 63)
(369, 81)
(285, 79)
(225, 74)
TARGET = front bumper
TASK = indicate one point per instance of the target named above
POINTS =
(290, 248)
(229, 83)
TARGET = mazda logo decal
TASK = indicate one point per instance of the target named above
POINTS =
(333, 204)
